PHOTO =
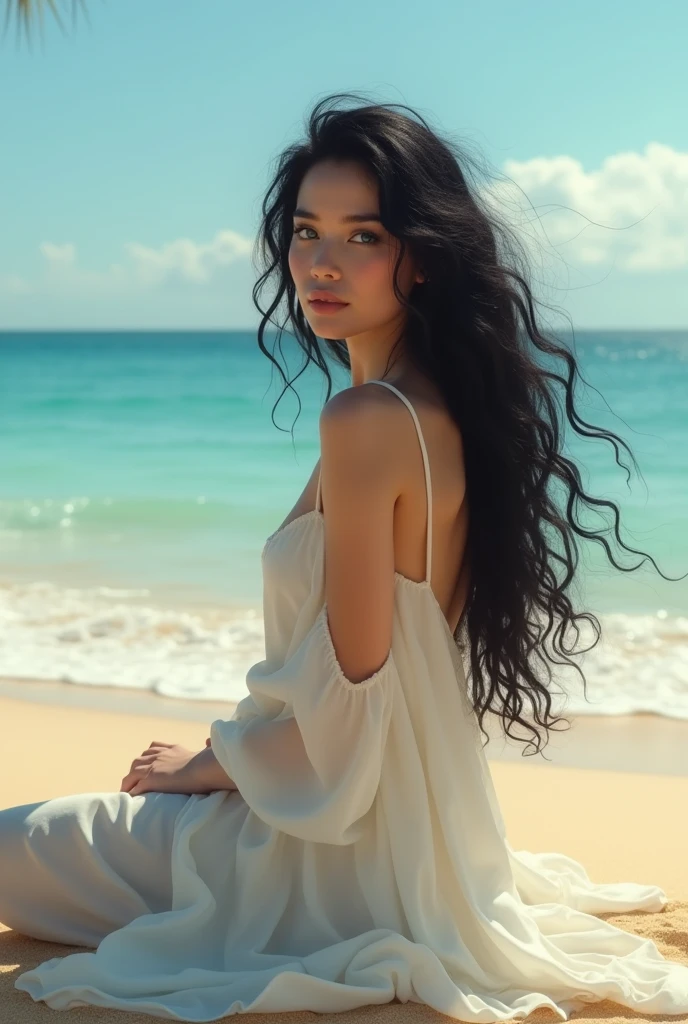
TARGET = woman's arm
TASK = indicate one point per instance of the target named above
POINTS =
(360, 487)
(211, 772)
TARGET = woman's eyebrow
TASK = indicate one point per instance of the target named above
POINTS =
(351, 218)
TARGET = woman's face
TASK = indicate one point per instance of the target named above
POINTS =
(352, 259)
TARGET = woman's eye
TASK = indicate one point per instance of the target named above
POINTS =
(371, 233)
(304, 227)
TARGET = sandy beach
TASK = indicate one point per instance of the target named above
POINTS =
(613, 796)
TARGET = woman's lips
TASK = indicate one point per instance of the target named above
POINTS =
(326, 307)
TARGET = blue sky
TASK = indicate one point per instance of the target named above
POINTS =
(137, 144)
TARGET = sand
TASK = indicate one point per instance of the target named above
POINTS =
(614, 798)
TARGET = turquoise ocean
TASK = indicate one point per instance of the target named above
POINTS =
(141, 472)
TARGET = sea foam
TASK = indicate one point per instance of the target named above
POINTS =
(101, 636)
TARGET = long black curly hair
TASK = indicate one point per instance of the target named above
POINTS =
(471, 328)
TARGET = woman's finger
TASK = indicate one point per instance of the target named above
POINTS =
(139, 770)
(144, 759)
(139, 784)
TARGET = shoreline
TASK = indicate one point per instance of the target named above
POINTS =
(644, 743)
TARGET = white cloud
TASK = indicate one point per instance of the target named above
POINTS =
(191, 260)
(143, 269)
(13, 284)
(638, 201)
(59, 255)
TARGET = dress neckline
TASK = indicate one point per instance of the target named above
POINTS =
(287, 526)
(316, 515)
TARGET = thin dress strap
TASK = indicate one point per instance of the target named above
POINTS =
(317, 493)
(426, 465)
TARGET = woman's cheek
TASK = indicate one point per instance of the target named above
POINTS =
(298, 263)
(381, 275)
(293, 262)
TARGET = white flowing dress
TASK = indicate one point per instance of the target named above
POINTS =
(362, 859)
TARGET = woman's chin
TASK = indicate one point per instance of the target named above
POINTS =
(322, 331)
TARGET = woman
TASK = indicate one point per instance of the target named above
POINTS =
(339, 842)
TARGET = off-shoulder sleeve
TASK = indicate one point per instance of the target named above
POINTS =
(305, 748)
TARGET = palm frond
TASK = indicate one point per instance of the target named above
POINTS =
(25, 12)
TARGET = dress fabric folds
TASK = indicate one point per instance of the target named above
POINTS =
(363, 857)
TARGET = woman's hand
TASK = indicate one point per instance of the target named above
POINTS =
(171, 768)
